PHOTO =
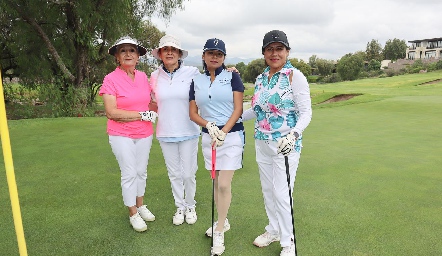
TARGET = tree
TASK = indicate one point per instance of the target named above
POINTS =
(302, 66)
(373, 51)
(65, 42)
(325, 67)
(349, 66)
(395, 49)
(254, 68)
(374, 65)
(312, 62)
(241, 69)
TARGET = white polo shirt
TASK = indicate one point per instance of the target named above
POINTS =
(172, 96)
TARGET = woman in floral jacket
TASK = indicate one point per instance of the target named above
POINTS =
(282, 107)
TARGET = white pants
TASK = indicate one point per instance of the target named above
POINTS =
(272, 172)
(181, 163)
(132, 156)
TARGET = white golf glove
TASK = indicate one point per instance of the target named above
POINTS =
(150, 116)
(219, 140)
(212, 129)
(287, 144)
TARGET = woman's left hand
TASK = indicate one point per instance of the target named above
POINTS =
(233, 69)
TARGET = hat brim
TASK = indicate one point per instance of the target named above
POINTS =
(141, 50)
(155, 52)
(213, 49)
(267, 44)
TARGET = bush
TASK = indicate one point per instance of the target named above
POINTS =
(374, 65)
(66, 102)
(417, 66)
(402, 71)
(439, 65)
(390, 72)
(349, 66)
(364, 74)
(431, 66)
(47, 101)
(333, 78)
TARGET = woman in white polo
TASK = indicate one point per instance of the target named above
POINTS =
(177, 134)
(216, 104)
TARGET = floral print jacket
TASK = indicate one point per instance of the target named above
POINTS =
(280, 104)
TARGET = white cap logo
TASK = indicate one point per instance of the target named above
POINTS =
(215, 42)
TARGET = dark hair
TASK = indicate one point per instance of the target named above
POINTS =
(205, 66)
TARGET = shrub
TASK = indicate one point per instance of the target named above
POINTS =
(431, 66)
(390, 72)
(364, 74)
(65, 102)
(402, 71)
(333, 78)
(439, 65)
(417, 66)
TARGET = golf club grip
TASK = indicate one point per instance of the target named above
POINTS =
(213, 162)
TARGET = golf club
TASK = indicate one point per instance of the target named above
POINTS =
(287, 171)
(213, 192)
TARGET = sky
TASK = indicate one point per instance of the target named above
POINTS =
(328, 29)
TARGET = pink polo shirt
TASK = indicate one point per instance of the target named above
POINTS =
(131, 95)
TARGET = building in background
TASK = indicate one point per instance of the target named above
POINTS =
(425, 49)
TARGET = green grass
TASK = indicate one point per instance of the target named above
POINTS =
(369, 183)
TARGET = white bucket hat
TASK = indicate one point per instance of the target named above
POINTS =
(169, 40)
(127, 40)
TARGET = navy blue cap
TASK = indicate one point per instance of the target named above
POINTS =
(275, 36)
(215, 44)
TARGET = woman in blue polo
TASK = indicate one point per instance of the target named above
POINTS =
(216, 104)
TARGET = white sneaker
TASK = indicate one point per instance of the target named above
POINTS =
(191, 216)
(137, 222)
(288, 250)
(265, 239)
(218, 243)
(225, 228)
(178, 218)
(145, 213)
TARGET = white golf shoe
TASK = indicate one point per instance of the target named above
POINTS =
(191, 216)
(145, 213)
(137, 222)
(218, 243)
(265, 239)
(178, 218)
(225, 228)
(288, 250)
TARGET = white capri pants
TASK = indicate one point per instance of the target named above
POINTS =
(181, 163)
(229, 155)
(132, 156)
(273, 176)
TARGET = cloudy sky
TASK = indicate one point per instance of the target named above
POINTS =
(326, 28)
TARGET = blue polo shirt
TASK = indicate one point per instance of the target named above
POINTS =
(215, 99)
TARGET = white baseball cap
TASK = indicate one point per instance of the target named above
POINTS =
(169, 40)
(127, 40)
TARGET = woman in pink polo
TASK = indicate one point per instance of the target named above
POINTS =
(126, 96)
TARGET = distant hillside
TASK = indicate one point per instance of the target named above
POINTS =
(196, 61)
